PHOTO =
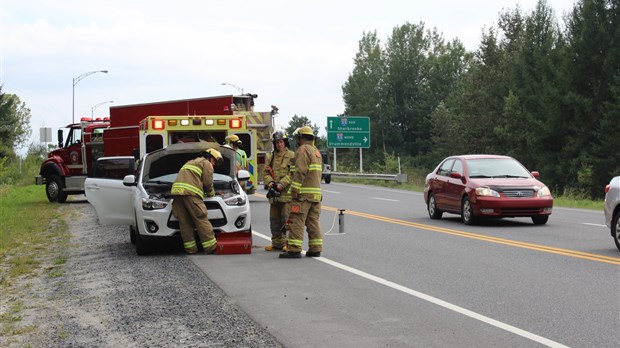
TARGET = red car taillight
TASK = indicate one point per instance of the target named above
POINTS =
(606, 188)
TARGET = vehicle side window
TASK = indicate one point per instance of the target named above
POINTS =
(445, 167)
(154, 142)
(457, 167)
(114, 168)
(246, 141)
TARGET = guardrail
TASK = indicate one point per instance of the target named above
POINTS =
(399, 178)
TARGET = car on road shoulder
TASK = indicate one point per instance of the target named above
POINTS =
(612, 209)
(486, 186)
(143, 200)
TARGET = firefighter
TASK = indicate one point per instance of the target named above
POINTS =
(277, 175)
(306, 197)
(241, 157)
(195, 179)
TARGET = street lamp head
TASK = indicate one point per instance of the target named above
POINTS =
(104, 71)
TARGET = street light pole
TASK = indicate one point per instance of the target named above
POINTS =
(75, 81)
(239, 89)
(92, 110)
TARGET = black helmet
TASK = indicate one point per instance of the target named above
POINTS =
(280, 135)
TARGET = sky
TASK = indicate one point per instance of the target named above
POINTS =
(293, 54)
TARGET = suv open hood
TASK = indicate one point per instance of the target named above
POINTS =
(170, 159)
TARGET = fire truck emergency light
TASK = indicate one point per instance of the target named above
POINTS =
(196, 121)
(235, 123)
(209, 122)
(221, 122)
(184, 122)
(172, 122)
(159, 124)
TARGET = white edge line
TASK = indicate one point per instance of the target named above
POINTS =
(434, 300)
(590, 224)
(385, 199)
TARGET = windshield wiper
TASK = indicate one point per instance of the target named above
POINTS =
(509, 176)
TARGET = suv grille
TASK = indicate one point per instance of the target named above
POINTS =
(214, 222)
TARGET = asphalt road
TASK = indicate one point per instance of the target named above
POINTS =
(396, 278)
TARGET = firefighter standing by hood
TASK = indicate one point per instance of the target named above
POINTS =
(277, 175)
(306, 197)
(195, 179)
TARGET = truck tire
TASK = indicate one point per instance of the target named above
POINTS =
(54, 189)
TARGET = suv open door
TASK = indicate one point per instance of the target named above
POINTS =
(106, 191)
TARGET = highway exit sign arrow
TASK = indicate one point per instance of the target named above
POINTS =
(348, 132)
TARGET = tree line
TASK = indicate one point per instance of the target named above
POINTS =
(543, 92)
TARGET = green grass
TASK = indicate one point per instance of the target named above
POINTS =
(33, 240)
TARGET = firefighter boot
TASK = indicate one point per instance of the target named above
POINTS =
(313, 254)
(290, 255)
(274, 248)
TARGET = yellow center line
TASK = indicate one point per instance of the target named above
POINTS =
(548, 249)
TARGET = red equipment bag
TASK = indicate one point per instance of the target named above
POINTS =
(234, 243)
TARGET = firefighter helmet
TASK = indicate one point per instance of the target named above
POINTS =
(215, 154)
(233, 139)
(304, 131)
(280, 135)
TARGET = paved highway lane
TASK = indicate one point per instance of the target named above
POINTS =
(397, 278)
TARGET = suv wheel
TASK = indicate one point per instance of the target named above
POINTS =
(141, 245)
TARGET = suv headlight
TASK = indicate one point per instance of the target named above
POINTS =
(236, 200)
(149, 204)
(485, 191)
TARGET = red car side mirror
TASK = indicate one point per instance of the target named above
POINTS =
(455, 175)
(535, 174)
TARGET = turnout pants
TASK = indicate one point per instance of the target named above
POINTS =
(278, 215)
(192, 213)
(307, 216)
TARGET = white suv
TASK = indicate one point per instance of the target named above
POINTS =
(612, 209)
(143, 201)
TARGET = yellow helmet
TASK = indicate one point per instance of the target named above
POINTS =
(215, 154)
(305, 130)
(233, 139)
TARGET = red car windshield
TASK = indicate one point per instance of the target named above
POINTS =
(496, 168)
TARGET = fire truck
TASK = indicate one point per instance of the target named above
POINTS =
(66, 168)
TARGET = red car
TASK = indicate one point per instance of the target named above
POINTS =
(478, 186)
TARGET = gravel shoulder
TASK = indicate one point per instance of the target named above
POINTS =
(109, 297)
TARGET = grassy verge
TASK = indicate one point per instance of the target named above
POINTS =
(33, 238)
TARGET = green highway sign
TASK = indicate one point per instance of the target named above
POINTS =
(348, 132)
(348, 140)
